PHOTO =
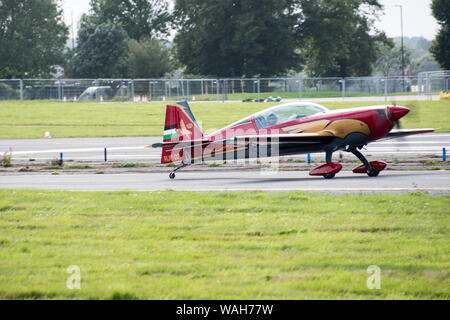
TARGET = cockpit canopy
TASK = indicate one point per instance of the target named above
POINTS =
(283, 113)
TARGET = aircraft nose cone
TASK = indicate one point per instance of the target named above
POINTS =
(396, 112)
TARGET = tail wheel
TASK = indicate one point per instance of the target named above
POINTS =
(172, 175)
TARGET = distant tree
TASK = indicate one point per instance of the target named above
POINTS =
(139, 18)
(229, 38)
(389, 62)
(424, 63)
(100, 51)
(148, 58)
(417, 45)
(419, 55)
(337, 37)
(440, 47)
(32, 38)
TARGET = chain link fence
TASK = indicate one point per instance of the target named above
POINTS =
(430, 83)
(239, 89)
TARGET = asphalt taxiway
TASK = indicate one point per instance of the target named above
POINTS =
(434, 182)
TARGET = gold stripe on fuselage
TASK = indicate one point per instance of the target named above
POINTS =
(339, 128)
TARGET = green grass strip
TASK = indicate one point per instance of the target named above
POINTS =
(239, 245)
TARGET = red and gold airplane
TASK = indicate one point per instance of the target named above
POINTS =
(286, 129)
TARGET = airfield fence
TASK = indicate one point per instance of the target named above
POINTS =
(240, 89)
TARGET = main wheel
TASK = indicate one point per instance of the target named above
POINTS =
(373, 173)
(329, 175)
(172, 175)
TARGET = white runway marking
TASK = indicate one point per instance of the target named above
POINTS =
(348, 190)
(352, 190)
(407, 142)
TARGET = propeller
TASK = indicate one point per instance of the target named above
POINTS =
(397, 122)
(399, 126)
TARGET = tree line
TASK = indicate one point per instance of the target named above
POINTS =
(207, 38)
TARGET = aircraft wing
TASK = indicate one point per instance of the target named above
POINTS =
(297, 138)
(287, 138)
(406, 132)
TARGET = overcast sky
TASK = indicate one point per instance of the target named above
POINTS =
(417, 18)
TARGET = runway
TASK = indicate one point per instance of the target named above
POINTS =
(134, 149)
(434, 182)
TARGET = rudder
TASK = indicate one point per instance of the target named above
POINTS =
(180, 125)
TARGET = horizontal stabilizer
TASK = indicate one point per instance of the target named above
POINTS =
(181, 144)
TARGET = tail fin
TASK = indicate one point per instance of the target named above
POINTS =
(180, 125)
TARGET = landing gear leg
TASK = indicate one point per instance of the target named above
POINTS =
(172, 174)
(328, 156)
(328, 159)
(360, 156)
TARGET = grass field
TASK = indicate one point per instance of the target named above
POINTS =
(174, 245)
(31, 119)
